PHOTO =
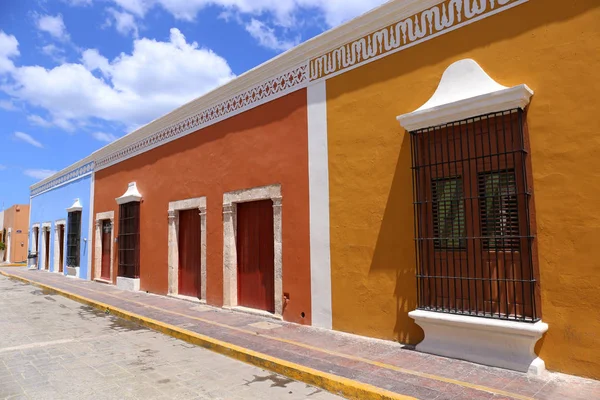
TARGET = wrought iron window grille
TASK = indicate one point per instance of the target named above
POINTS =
(473, 236)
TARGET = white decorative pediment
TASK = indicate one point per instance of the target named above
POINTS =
(465, 91)
(132, 194)
(75, 207)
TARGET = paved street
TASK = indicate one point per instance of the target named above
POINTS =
(54, 348)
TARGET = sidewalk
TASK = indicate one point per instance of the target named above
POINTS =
(352, 366)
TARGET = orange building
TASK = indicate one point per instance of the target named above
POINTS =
(15, 237)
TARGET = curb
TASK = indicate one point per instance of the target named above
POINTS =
(332, 383)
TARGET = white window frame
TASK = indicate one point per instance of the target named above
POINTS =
(100, 218)
(198, 203)
(56, 258)
(230, 272)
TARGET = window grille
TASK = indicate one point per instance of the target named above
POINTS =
(129, 240)
(472, 218)
(73, 238)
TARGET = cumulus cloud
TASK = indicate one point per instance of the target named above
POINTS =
(54, 25)
(134, 88)
(24, 137)
(104, 137)
(9, 48)
(266, 36)
(124, 22)
(39, 173)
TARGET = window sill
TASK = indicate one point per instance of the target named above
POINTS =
(497, 343)
(130, 284)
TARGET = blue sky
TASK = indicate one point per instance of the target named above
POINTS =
(77, 74)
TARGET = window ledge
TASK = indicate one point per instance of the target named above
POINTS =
(465, 91)
(497, 343)
(130, 284)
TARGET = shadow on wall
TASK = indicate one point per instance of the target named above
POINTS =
(398, 256)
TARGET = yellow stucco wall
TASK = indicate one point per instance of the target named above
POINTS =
(554, 47)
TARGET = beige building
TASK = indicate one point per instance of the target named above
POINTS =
(14, 233)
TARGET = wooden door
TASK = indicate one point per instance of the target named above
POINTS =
(256, 255)
(47, 248)
(189, 242)
(61, 247)
(106, 250)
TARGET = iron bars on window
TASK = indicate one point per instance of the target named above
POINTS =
(472, 218)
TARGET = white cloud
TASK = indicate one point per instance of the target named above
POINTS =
(27, 139)
(266, 36)
(334, 12)
(7, 105)
(9, 48)
(39, 173)
(104, 137)
(124, 22)
(135, 88)
(54, 25)
(39, 121)
(54, 52)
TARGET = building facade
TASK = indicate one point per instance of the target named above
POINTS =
(425, 173)
(60, 229)
(14, 230)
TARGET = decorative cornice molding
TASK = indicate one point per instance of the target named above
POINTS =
(405, 23)
(287, 82)
(465, 91)
(421, 26)
(67, 176)
(75, 207)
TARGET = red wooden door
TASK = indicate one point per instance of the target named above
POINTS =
(189, 242)
(61, 247)
(255, 255)
(106, 246)
(47, 244)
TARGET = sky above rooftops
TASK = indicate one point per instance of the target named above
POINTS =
(78, 74)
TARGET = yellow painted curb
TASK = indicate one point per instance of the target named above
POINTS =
(13, 265)
(336, 384)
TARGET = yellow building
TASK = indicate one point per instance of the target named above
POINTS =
(505, 185)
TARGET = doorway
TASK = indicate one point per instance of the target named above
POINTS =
(61, 247)
(106, 247)
(189, 247)
(47, 249)
(255, 255)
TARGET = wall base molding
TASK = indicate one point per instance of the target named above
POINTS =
(497, 343)
(131, 284)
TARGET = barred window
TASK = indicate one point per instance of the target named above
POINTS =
(472, 214)
(73, 238)
(129, 240)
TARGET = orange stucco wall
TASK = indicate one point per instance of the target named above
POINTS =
(264, 146)
(553, 46)
(17, 218)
